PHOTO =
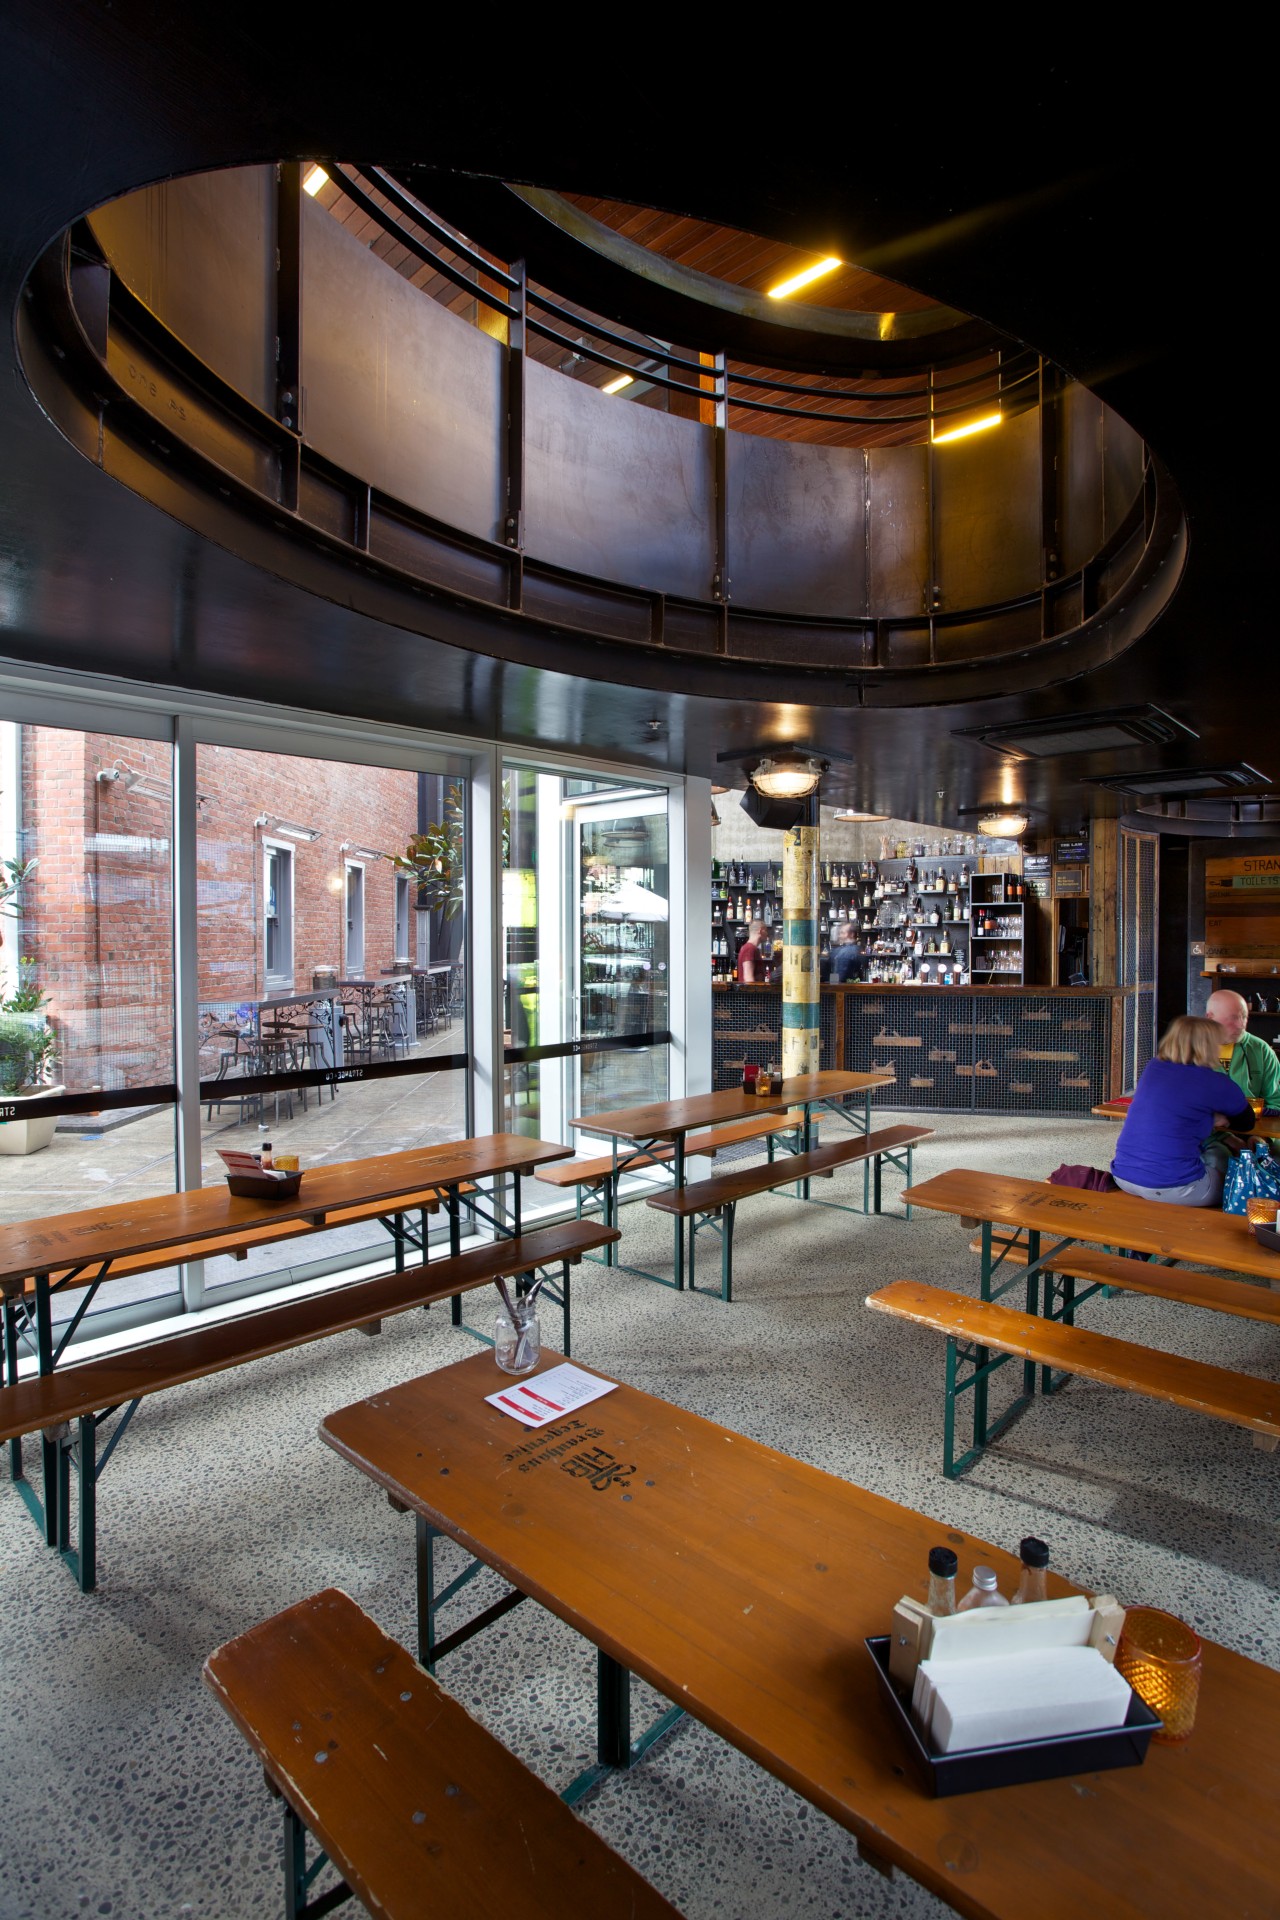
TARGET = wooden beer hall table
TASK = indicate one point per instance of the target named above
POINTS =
(740, 1583)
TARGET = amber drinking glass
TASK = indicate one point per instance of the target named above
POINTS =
(1258, 1212)
(1160, 1658)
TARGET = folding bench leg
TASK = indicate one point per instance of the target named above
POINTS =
(298, 1876)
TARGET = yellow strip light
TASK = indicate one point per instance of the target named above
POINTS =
(785, 288)
(314, 180)
(616, 386)
(974, 426)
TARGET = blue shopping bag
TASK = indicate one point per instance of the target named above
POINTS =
(1252, 1174)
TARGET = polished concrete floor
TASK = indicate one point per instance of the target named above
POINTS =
(127, 1792)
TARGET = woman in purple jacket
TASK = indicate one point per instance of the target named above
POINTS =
(1182, 1097)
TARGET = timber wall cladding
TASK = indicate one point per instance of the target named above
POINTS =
(1242, 911)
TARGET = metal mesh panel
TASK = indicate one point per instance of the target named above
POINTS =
(1139, 918)
(1023, 1053)
(745, 1025)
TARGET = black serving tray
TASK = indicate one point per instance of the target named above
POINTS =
(249, 1186)
(1266, 1236)
(941, 1774)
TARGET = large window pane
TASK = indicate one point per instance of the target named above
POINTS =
(302, 928)
(86, 970)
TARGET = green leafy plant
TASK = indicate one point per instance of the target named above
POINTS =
(27, 998)
(436, 858)
(27, 1051)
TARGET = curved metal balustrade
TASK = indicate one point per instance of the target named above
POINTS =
(221, 340)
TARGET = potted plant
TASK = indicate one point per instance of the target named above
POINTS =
(27, 1052)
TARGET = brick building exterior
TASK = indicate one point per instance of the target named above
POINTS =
(97, 914)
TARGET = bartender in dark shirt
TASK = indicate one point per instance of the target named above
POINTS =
(848, 960)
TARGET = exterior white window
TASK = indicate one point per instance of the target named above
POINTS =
(277, 914)
(354, 953)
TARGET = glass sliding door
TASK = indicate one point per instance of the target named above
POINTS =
(585, 947)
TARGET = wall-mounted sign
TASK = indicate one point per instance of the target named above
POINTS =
(1071, 853)
(1035, 874)
(1069, 880)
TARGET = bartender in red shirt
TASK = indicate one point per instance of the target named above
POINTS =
(751, 966)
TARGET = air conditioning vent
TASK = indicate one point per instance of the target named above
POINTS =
(1081, 733)
(1174, 782)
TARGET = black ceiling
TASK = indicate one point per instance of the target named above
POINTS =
(1102, 213)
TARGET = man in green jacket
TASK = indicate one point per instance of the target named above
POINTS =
(1253, 1064)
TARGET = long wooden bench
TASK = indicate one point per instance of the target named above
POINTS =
(710, 1205)
(89, 1394)
(974, 1326)
(418, 1808)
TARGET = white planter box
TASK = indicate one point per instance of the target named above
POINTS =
(27, 1136)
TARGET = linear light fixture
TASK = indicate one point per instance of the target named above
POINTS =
(852, 813)
(785, 288)
(363, 853)
(974, 426)
(616, 386)
(314, 180)
(274, 824)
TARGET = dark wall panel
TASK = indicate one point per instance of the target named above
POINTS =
(1079, 489)
(899, 530)
(201, 253)
(615, 490)
(1122, 457)
(797, 522)
(396, 389)
(987, 514)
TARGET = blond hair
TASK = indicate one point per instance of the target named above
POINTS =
(1191, 1042)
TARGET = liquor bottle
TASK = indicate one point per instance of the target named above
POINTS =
(1035, 1562)
(964, 874)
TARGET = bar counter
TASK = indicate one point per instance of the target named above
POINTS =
(984, 1049)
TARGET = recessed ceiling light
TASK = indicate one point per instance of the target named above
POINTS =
(785, 288)
(314, 180)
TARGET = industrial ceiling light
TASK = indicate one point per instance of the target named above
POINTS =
(787, 775)
(1003, 826)
(971, 426)
(785, 288)
(314, 180)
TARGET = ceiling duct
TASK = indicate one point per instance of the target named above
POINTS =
(1081, 733)
(1174, 782)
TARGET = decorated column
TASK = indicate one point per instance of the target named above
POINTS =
(801, 980)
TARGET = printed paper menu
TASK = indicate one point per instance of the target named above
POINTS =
(548, 1396)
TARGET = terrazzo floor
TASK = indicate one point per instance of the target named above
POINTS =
(127, 1792)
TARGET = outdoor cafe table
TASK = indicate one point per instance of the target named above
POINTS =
(740, 1583)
